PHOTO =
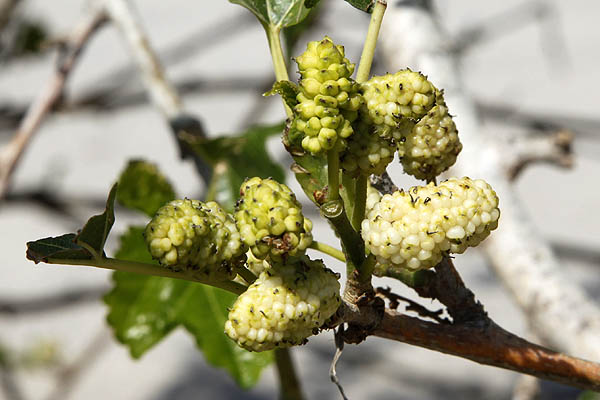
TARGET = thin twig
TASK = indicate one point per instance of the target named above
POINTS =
(339, 348)
(49, 96)
(395, 299)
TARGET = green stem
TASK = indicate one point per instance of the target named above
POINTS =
(333, 174)
(360, 202)
(245, 273)
(413, 279)
(354, 247)
(281, 74)
(366, 58)
(327, 249)
(366, 269)
(146, 269)
(288, 380)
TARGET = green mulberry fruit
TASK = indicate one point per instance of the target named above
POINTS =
(270, 219)
(284, 306)
(413, 229)
(329, 100)
(395, 102)
(366, 152)
(195, 237)
(432, 146)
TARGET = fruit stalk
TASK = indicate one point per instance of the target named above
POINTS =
(146, 269)
(281, 74)
(288, 380)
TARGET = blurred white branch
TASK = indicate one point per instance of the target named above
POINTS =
(160, 90)
(558, 309)
(524, 150)
(11, 153)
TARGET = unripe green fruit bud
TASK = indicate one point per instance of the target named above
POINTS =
(194, 237)
(326, 91)
(414, 229)
(270, 219)
(432, 146)
(284, 306)
(393, 97)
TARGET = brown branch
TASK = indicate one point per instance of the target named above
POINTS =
(448, 287)
(491, 345)
(49, 96)
(471, 335)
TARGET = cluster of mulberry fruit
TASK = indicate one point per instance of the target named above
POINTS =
(284, 306)
(413, 229)
(195, 237)
(292, 296)
(328, 100)
(270, 219)
(407, 108)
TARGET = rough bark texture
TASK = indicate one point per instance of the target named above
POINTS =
(559, 311)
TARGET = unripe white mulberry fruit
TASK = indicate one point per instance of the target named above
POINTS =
(270, 219)
(328, 101)
(284, 306)
(414, 229)
(194, 237)
(432, 146)
(373, 197)
(394, 102)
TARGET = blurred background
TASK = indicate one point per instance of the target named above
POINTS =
(529, 65)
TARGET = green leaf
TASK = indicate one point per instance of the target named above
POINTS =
(87, 244)
(278, 13)
(143, 187)
(60, 247)
(287, 90)
(145, 309)
(293, 33)
(95, 231)
(235, 158)
(311, 174)
(363, 5)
